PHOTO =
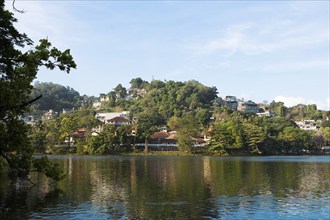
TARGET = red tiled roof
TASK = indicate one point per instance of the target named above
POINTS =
(159, 135)
(118, 120)
(200, 140)
(172, 136)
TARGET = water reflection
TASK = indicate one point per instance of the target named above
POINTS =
(175, 188)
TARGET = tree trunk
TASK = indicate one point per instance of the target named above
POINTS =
(146, 146)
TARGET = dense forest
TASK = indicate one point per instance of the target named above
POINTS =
(189, 108)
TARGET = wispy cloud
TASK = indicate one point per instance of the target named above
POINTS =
(229, 43)
(255, 38)
(290, 101)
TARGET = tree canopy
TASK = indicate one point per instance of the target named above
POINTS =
(55, 97)
(18, 68)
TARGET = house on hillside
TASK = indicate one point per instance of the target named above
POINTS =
(248, 106)
(49, 115)
(307, 125)
(29, 119)
(71, 140)
(231, 102)
(163, 140)
(118, 121)
(111, 118)
(97, 104)
(79, 134)
(106, 116)
(266, 114)
(134, 93)
(104, 97)
(67, 110)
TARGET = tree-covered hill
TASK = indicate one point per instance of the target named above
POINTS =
(55, 97)
(164, 98)
(189, 108)
(167, 98)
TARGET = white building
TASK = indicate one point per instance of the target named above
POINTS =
(266, 114)
(105, 117)
(97, 104)
(307, 125)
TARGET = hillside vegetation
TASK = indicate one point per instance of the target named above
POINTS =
(189, 108)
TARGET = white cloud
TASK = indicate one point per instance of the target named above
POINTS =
(230, 42)
(251, 38)
(290, 101)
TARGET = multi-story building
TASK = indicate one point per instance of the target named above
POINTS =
(231, 102)
(104, 97)
(248, 106)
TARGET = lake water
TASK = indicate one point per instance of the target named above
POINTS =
(154, 187)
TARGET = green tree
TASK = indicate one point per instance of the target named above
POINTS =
(124, 136)
(253, 137)
(173, 123)
(17, 71)
(227, 135)
(203, 116)
(96, 145)
(295, 140)
(148, 123)
(68, 126)
(188, 129)
(326, 135)
(120, 91)
(106, 141)
(38, 137)
(52, 130)
(278, 108)
(137, 83)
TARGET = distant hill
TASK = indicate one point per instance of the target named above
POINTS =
(164, 98)
(55, 97)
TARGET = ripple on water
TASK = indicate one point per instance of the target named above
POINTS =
(261, 206)
(83, 211)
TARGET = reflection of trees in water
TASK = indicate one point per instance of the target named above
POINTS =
(109, 188)
(158, 187)
(18, 200)
(313, 178)
(247, 186)
(170, 188)
(248, 178)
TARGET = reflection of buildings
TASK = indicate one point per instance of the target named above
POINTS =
(108, 191)
(311, 181)
(135, 187)
(207, 172)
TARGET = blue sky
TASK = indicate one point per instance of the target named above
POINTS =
(258, 50)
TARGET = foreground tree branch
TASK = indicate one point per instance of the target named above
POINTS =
(18, 69)
(15, 9)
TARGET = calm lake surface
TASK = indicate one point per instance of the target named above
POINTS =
(155, 187)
